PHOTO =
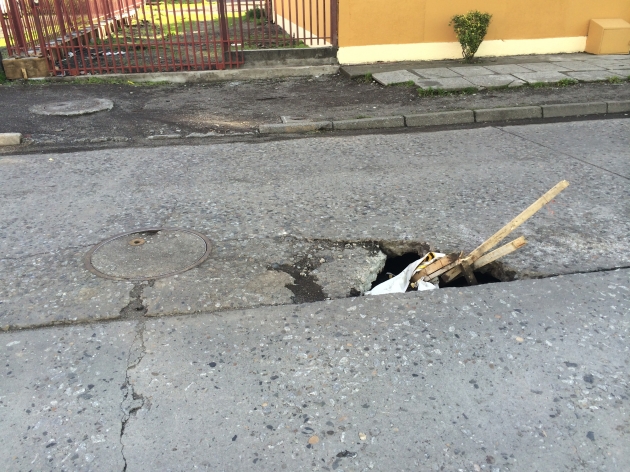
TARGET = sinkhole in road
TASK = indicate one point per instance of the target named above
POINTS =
(395, 264)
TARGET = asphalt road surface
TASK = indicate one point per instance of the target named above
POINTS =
(219, 368)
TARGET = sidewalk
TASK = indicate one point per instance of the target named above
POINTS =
(226, 110)
(557, 68)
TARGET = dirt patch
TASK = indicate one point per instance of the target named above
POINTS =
(242, 106)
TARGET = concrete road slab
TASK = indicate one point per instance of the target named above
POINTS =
(537, 77)
(479, 378)
(54, 288)
(394, 77)
(256, 272)
(610, 146)
(545, 66)
(436, 73)
(472, 71)
(335, 189)
(61, 396)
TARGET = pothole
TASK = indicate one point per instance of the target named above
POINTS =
(148, 254)
(395, 264)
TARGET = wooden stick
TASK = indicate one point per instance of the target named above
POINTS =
(497, 237)
(466, 269)
(500, 252)
(435, 266)
(507, 229)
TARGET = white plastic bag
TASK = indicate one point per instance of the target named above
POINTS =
(400, 282)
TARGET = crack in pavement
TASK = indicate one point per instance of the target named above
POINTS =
(132, 401)
(26, 256)
(583, 161)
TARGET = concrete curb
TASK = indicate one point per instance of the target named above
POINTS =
(508, 113)
(370, 123)
(305, 127)
(10, 139)
(212, 75)
(574, 109)
(455, 117)
(440, 118)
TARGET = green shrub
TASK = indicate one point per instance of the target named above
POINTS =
(470, 29)
(257, 13)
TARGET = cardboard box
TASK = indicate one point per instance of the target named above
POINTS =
(32, 67)
(608, 37)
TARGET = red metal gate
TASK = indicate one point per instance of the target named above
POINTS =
(122, 36)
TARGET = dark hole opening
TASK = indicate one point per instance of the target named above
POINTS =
(394, 265)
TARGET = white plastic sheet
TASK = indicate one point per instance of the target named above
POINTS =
(400, 282)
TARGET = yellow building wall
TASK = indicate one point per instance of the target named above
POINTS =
(419, 29)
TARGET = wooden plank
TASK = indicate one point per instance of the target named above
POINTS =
(500, 252)
(468, 272)
(507, 229)
(497, 237)
(435, 266)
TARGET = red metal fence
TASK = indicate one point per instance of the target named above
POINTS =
(122, 36)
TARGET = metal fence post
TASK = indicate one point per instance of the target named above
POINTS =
(334, 22)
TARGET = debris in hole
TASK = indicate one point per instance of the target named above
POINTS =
(426, 273)
(407, 278)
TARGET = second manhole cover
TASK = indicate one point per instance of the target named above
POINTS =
(148, 254)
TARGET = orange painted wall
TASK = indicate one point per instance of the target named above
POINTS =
(305, 14)
(368, 22)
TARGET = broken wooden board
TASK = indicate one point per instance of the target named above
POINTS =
(478, 254)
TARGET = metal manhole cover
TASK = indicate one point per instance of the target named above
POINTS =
(148, 254)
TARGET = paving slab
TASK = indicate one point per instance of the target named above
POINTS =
(593, 76)
(545, 66)
(507, 69)
(472, 71)
(62, 394)
(544, 77)
(455, 83)
(499, 80)
(580, 65)
(394, 77)
(624, 73)
(436, 73)
(609, 64)
(477, 378)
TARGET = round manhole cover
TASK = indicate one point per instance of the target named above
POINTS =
(73, 107)
(148, 254)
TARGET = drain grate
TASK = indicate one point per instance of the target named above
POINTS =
(148, 254)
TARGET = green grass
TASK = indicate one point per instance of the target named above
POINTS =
(567, 82)
(614, 80)
(3, 78)
(438, 92)
(365, 79)
(409, 83)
